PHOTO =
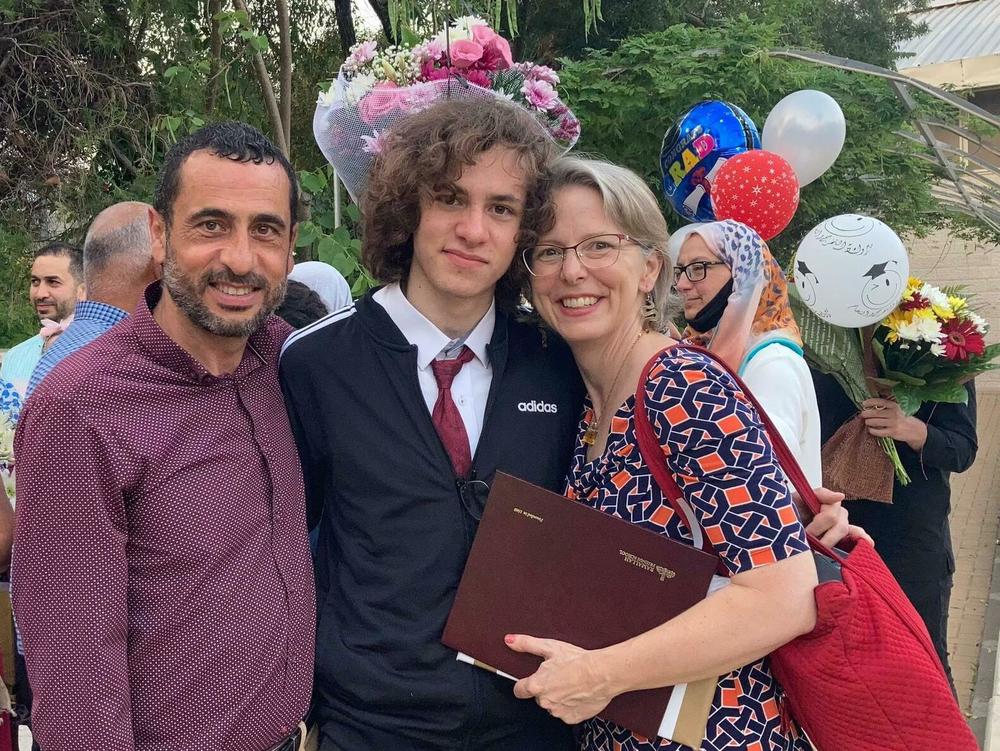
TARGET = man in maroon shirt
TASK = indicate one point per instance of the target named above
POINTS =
(162, 577)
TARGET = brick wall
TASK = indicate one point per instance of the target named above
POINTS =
(944, 260)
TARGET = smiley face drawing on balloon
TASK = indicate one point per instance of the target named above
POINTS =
(806, 281)
(885, 287)
(851, 270)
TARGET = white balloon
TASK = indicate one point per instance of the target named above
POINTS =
(851, 270)
(808, 129)
(677, 240)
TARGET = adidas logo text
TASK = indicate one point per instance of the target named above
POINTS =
(537, 406)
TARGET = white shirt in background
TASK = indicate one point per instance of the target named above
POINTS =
(471, 387)
(780, 380)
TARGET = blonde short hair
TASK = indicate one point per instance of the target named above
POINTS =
(631, 205)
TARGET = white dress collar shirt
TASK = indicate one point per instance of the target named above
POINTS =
(471, 386)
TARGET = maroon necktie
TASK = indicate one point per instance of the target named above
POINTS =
(446, 417)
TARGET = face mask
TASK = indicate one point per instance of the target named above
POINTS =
(709, 316)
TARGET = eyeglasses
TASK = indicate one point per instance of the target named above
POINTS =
(595, 253)
(695, 271)
(473, 494)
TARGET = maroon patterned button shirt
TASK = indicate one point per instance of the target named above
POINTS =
(162, 578)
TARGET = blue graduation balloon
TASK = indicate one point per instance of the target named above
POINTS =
(694, 149)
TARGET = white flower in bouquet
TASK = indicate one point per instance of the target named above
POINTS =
(939, 301)
(921, 329)
(978, 321)
(360, 85)
(460, 29)
(329, 97)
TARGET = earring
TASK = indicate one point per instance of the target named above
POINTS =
(650, 313)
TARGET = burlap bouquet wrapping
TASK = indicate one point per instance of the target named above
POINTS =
(855, 464)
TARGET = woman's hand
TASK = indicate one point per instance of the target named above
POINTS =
(831, 524)
(568, 684)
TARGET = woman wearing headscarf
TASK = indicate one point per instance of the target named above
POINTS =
(735, 299)
(736, 305)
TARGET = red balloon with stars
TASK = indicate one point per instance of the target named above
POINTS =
(758, 188)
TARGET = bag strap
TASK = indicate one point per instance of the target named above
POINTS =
(652, 452)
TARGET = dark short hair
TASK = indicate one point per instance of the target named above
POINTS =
(430, 149)
(301, 305)
(73, 253)
(235, 141)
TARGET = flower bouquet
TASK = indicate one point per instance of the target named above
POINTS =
(923, 351)
(375, 87)
(930, 345)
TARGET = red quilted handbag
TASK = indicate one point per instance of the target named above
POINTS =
(867, 677)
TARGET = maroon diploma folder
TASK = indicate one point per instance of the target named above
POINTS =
(547, 566)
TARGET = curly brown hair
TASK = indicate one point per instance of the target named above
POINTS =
(429, 150)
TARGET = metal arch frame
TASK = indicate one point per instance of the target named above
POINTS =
(844, 63)
(899, 83)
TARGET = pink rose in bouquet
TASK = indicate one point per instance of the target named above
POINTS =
(380, 101)
(465, 53)
(478, 77)
(496, 49)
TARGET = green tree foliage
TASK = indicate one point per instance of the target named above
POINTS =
(627, 98)
(866, 30)
(94, 93)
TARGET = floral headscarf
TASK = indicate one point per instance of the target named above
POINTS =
(758, 308)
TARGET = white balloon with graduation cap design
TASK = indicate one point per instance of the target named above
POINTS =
(851, 270)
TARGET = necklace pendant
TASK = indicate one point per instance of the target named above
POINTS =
(590, 437)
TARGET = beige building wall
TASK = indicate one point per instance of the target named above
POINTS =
(943, 260)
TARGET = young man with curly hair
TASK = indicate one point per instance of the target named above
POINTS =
(404, 406)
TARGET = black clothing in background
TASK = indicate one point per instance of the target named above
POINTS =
(912, 533)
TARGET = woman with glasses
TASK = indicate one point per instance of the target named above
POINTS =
(600, 279)
(735, 301)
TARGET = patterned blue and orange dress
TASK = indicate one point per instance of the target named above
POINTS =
(721, 458)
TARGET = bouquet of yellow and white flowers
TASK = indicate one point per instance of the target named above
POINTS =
(923, 351)
(930, 345)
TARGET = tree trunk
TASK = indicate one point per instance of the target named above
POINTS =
(215, 56)
(267, 91)
(285, 52)
(381, 8)
(345, 24)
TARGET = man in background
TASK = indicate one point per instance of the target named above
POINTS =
(912, 534)
(56, 286)
(117, 266)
